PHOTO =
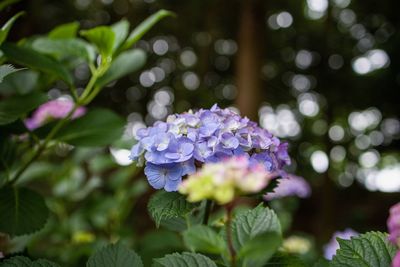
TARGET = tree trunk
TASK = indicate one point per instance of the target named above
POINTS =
(249, 57)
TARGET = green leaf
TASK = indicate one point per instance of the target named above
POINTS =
(204, 239)
(258, 250)
(99, 127)
(6, 3)
(120, 30)
(249, 224)
(7, 26)
(33, 59)
(368, 250)
(63, 48)
(144, 27)
(285, 259)
(22, 211)
(21, 82)
(20, 261)
(65, 31)
(102, 37)
(126, 63)
(115, 255)
(5, 70)
(185, 259)
(17, 106)
(166, 205)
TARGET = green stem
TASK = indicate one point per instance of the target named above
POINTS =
(207, 211)
(229, 210)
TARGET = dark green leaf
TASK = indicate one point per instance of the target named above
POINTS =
(33, 59)
(248, 225)
(120, 30)
(21, 82)
(185, 259)
(368, 250)
(7, 27)
(22, 211)
(286, 260)
(144, 27)
(98, 127)
(6, 3)
(165, 205)
(20, 261)
(62, 48)
(322, 263)
(64, 31)
(115, 255)
(102, 37)
(203, 238)
(126, 63)
(258, 250)
(6, 70)
(17, 106)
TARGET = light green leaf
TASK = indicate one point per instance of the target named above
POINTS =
(126, 63)
(99, 127)
(65, 31)
(7, 26)
(185, 259)
(144, 27)
(35, 60)
(63, 48)
(17, 106)
(115, 255)
(166, 205)
(248, 225)
(203, 238)
(5, 70)
(22, 211)
(257, 251)
(102, 37)
(367, 250)
(6, 3)
(120, 30)
(21, 261)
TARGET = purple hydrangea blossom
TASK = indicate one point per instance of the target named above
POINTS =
(333, 245)
(393, 224)
(396, 259)
(290, 185)
(54, 109)
(208, 135)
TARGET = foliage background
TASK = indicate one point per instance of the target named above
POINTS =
(220, 51)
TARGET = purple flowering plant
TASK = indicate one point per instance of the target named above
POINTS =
(172, 149)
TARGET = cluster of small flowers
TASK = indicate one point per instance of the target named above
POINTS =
(393, 224)
(54, 109)
(290, 185)
(226, 180)
(172, 149)
(333, 245)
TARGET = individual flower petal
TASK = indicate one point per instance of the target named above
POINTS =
(163, 176)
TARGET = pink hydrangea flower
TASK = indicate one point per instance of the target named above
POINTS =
(290, 185)
(396, 260)
(393, 224)
(54, 109)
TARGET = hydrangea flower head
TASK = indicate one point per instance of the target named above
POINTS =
(333, 245)
(53, 109)
(225, 180)
(207, 135)
(290, 185)
(393, 224)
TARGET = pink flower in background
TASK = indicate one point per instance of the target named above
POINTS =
(393, 224)
(290, 185)
(54, 109)
(333, 245)
(396, 260)
(1, 255)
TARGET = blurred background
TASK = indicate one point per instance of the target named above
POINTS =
(323, 75)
